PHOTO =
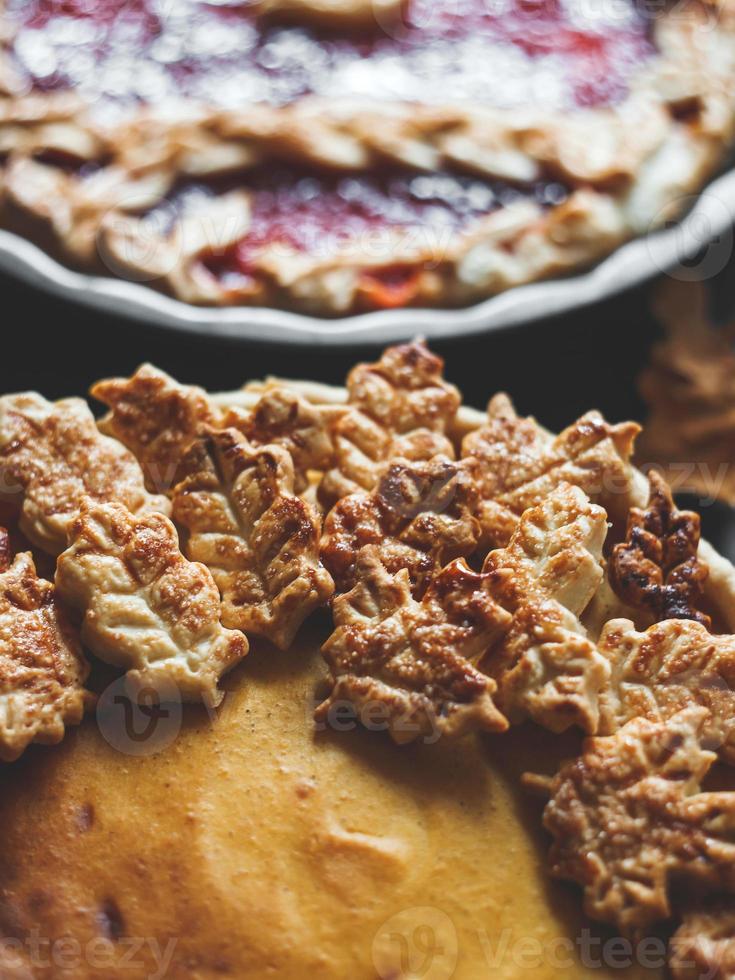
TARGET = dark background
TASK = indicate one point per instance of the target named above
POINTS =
(555, 369)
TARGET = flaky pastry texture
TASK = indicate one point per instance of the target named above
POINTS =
(546, 666)
(517, 464)
(283, 417)
(673, 664)
(398, 407)
(656, 568)
(703, 947)
(420, 516)
(408, 666)
(42, 667)
(259, 539)
(156, 418)
(144, 606)
(629, 818)
(52, 456)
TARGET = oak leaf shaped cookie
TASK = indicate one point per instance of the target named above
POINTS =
(629, 818)
(53, 456)
(516, 465)
(409, 666)
(398, 407)
(156, 418)
(259, 540)
(420, 517)
(545, 665)
(42, 668)
(145, 607)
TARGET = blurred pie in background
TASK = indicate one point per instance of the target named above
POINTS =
(332, 157)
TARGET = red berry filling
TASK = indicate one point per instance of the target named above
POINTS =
(556, 53)
(373, 218)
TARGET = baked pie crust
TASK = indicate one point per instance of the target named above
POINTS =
(42, 667)
(281, 806)
(99, 190)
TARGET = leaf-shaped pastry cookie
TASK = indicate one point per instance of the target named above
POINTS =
(145, 607)
(629, 819)
(42, 668)
(399, 407)
(670, 666)
(52, 456)
(516, 465)
(657, 569)
(285, 418)
(409, 666)
(259, 540)
(420, 516)
(156, 418)
(704, 944)
(545, 664)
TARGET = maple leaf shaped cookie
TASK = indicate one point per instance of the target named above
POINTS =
(669, 666)
(399, 407)
(629, 817)
(156, 418)
(409, 666)
(656, 569)
(259, 540)
(545, 664)
(42, 668)
(145, 607)
(420, 516)
(516, 465)
(54, 456)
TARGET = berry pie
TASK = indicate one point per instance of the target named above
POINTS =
(335, 156)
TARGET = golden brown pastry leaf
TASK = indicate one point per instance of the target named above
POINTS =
(54, 455)
(545, 664)
(156, 418)
(670, 666)
(145, 607)
(420, 517)
(259, 540)
(283, 417)
(409, 664)
(656, 568)
(516, 465)
(628, 818)
(42, 668)
(398, 407)
(703, 947)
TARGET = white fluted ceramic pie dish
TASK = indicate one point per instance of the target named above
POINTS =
(700, 244)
